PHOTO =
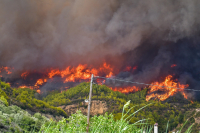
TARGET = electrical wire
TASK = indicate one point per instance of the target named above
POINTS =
(115, 79)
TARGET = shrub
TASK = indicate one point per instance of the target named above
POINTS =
(2, 93)
(104, 123)
(15, 119)
(3, 100)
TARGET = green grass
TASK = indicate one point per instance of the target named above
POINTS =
(77, 123)
(14, 119)
(134, 116)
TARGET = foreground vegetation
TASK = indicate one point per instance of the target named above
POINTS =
(175, 111)
(98, 124)
(26, 99)
(14, 119)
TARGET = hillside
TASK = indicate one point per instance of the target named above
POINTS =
(15, 119)
(27, 100)
(175, 109)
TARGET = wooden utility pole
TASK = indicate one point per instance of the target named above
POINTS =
(89, 103)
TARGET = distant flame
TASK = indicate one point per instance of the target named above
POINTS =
(40, 82)
(129, 68)
(83, 72)
(37, 84)
(126, 89)
(7, 69)
(38, 91)
(24, 86)
(24, 75)
(169, 91)
(173, 65)
(135, 67)
(71, 74)
(185, 95)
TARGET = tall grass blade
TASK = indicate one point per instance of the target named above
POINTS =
(189, 130)
(137, 111)
(167, 126)
(182, 126)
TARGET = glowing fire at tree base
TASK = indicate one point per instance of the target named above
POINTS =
(83, 72)
(169, 91)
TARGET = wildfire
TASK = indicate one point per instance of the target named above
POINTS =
(173, 65)
(7, 69)
(170, 90)
(129, 68)
(126, 89)
(38, 91)
(83, 72)
(24, 75)
(31, 87)
(40, 82)
(24, 86)
(70, 74)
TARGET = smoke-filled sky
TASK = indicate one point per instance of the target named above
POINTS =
(57, 33)
(150, 34)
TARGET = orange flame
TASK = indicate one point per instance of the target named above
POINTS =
(135, 67)
(24, 86)
(7, 69)
(126, 89)
(38, 91)
(185, 95)
(40, 82)
(83, 72)
(24, 75)
(173, 65)
(168, 91)
(71, 74)
(129, 68)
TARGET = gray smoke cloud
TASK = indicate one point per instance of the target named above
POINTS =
(37, 34)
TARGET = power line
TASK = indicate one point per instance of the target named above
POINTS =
(115, 79)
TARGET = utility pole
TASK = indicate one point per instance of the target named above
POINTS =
(89, 103)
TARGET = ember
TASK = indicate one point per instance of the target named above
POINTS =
(173, 65)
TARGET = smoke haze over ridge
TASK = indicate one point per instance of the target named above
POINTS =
(56, 33)
(149, 34)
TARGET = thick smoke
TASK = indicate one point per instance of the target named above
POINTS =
(37, 34)
(152, 34)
